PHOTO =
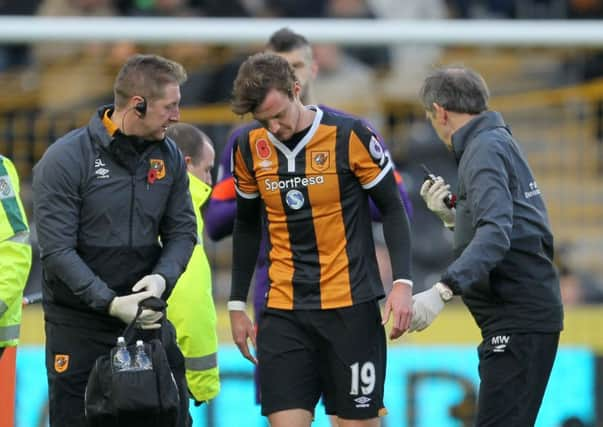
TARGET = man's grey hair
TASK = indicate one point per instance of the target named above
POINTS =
(457, 89)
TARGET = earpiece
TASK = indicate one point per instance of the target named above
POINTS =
(141, 107)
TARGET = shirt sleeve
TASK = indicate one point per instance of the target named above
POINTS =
(14, 270)
(396, 228)
(57, 204)
(246, 185)
(489, 198)
(368, 159)
(219, 213)
(373, 167)
(12, 214)
(15, 250)
(220, 210)
(246, 238)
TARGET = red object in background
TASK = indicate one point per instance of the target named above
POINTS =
(7, 387)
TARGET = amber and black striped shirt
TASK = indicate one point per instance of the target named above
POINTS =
(320, 249)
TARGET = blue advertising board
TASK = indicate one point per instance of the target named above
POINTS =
(426, 386)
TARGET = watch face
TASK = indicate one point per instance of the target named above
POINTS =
(445, 293)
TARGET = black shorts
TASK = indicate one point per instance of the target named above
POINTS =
(514, 370)
(339, 353)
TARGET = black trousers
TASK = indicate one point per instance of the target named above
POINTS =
(514, 370)
(70, 355)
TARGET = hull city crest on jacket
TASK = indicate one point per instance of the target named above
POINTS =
(159, 167)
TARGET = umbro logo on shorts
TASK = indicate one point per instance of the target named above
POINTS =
(362, 402)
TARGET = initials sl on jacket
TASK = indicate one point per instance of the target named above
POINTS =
(100, 170)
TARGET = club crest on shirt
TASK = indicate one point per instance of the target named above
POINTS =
(320, 160)
(263, 149)
(61, 362)
(159, 166)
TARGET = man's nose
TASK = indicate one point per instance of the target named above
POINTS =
(273, 126)
(175, 116)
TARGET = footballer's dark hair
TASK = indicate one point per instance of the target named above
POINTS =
(285, 40)
(256, 77)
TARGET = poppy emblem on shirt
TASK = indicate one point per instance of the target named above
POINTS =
(320, 160)
(158, 166)
(263, 149)
(61, 362)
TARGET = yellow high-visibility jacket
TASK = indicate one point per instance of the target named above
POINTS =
(15, 254)
(191, 309)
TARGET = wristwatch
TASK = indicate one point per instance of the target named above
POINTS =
(445, 292)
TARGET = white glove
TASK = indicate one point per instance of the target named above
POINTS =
(426, 306)
(126, 307)
(155, 283)
(434, 192)
(149, 319)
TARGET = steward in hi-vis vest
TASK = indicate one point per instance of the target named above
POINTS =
(15, 254)
(191, 306)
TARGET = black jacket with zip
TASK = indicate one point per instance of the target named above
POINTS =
(102, 224)
(502, 239)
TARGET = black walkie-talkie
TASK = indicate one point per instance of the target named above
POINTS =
(450, 199)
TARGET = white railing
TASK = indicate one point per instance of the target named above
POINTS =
(553, 33)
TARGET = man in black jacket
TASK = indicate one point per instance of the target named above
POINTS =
(102, 195)
(503, 246)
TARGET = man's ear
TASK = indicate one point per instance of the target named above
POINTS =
(440, 113)
(296, 89)
(188, 160)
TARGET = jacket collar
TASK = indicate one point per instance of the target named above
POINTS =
(200, 191)
(103, 131)
(98, 130)
(484, 121)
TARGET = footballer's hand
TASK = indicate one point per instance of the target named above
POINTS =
(154, 283)
(426, 307)
(434, 193)
(399, 306)
(242, 329)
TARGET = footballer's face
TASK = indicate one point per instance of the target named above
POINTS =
(280, 113)
(302, 62)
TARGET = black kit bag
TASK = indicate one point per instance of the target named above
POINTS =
(133, 397)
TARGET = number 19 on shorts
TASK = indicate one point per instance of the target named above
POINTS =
(363, 378)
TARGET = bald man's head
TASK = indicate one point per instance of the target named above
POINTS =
(197, 149)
